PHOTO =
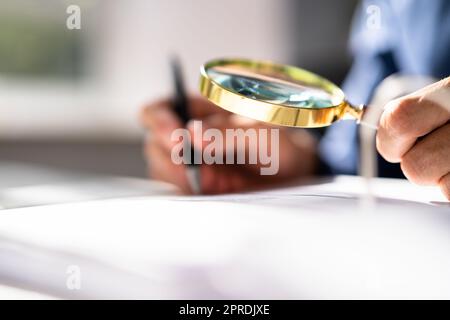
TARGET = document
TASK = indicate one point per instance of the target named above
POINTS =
(25, 185)
(311, 241)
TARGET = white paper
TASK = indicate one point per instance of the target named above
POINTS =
(302, 242)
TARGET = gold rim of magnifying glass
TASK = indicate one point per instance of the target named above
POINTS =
(277, 114)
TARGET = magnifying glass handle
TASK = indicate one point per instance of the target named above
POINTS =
(367, 117)
(368, 125)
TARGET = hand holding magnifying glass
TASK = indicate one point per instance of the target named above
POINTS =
(413, 130)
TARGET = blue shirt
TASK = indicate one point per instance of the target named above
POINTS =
(413, 38)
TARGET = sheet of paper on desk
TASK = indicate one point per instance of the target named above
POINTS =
(332, 193)
(304, 242)
(25, 185)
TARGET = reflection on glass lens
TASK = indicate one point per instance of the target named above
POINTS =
(270, 89)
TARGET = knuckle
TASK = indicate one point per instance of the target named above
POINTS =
(149, 110)
(420, 166)
(145, 113)
(413, 166)
(399, 120)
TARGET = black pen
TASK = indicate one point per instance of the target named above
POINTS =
(181, 108)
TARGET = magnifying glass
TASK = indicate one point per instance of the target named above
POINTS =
(274, 93)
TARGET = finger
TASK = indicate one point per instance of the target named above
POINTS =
(298, 144)
(218, 179)
(403, 121)
(208, 178)
(288, 145)
(231, 140)
(429, 159)
(444, 184)
(159, 114)
(161, 122)
(161, 166)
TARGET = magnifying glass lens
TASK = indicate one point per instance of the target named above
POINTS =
(270, 88)
(274, 93)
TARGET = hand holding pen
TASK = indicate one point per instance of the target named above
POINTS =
(162, 117)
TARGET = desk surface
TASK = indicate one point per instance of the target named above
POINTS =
(313, 241)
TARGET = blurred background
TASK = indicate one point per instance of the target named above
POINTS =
(71, 98)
